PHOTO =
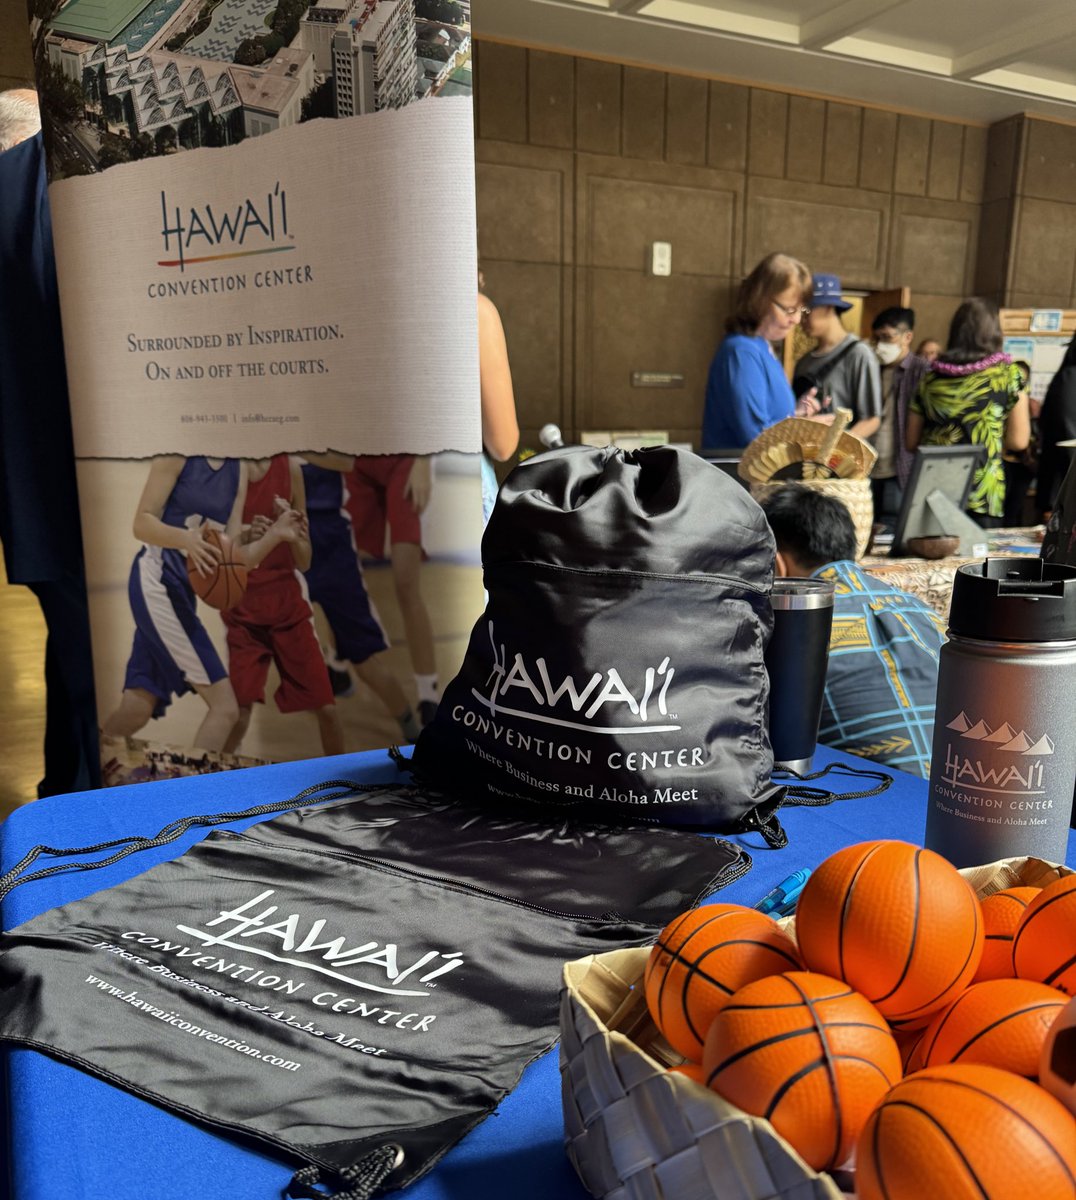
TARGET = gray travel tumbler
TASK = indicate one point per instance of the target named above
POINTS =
(1003, 766)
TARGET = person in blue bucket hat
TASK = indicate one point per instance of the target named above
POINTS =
(843, 369)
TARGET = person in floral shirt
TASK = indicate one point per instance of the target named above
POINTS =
(973, 395)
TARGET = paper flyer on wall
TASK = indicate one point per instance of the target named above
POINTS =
(263, 213)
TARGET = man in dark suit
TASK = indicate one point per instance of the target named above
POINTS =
(39, 517)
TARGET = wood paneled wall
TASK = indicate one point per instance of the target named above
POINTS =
(582, 164)
(16, 62)
(1027, 244)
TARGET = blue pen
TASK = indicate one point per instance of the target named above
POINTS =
(782, 899)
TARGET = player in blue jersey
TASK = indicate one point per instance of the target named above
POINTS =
(172, 653)
(336, 583)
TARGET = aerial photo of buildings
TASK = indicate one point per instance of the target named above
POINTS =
(122, 80)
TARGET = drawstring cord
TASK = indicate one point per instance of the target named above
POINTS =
(812, 797)
(132, 845)
(361, 1180)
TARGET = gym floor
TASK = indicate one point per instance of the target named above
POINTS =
(22, 699)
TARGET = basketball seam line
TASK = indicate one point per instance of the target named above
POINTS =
(1014, 1111)
(915, 937)
(1001, 1021)
(1028, 917)
(831, 1073)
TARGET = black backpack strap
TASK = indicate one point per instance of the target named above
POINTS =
(763, 819)
(316, 793)
(814, 797)
(818, 380)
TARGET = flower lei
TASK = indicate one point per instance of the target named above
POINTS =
(991, 360)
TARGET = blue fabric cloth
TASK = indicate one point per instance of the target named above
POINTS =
(746, 392)
(70, 1134)
(882, 676)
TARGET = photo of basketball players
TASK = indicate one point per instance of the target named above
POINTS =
(388, 495)
(200, 686)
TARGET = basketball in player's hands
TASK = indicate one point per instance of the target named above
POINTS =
(224, 584)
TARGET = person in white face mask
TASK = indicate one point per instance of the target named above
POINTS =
(891, 336)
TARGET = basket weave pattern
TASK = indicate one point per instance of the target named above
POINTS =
(634, 1131)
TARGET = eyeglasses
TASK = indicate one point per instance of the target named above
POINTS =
(792, 310)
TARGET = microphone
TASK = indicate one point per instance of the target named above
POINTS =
(550, 437)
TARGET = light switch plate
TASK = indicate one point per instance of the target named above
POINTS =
(661, 258)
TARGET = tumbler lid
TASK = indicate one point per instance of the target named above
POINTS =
(791, 592)
(1014, 600)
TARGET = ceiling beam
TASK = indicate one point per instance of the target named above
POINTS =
(1025, 38)
(627, 7)
(842, 21)
(566, 26)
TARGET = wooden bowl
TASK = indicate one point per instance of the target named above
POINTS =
(937, 546)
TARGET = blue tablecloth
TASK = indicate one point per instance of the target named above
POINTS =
(72, 1136)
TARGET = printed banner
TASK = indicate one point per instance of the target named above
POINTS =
(264, 224)
(243, 302)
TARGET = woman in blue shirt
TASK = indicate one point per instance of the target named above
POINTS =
(747, 391)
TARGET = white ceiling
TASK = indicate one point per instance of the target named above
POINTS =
(976, 60)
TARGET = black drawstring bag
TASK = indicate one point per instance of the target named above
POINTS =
(618, 666)
(336, 984)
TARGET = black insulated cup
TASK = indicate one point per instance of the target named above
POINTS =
(796, 659)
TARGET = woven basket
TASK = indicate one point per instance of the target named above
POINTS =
(634, 1131)
(796, 439)
(854, 494)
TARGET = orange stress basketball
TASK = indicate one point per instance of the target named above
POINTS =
(897, 922)
(701, 958)
(999, 1022)
(807, 1053)
(223, 585)
(1044, 945)
(1001, 915)
(967, 1133)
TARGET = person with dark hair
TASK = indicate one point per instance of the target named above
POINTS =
(882, 674)
(1057, 423)
(974, 394)
(928, 349)
(901, 370)
(841, 367)
(746, 390)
